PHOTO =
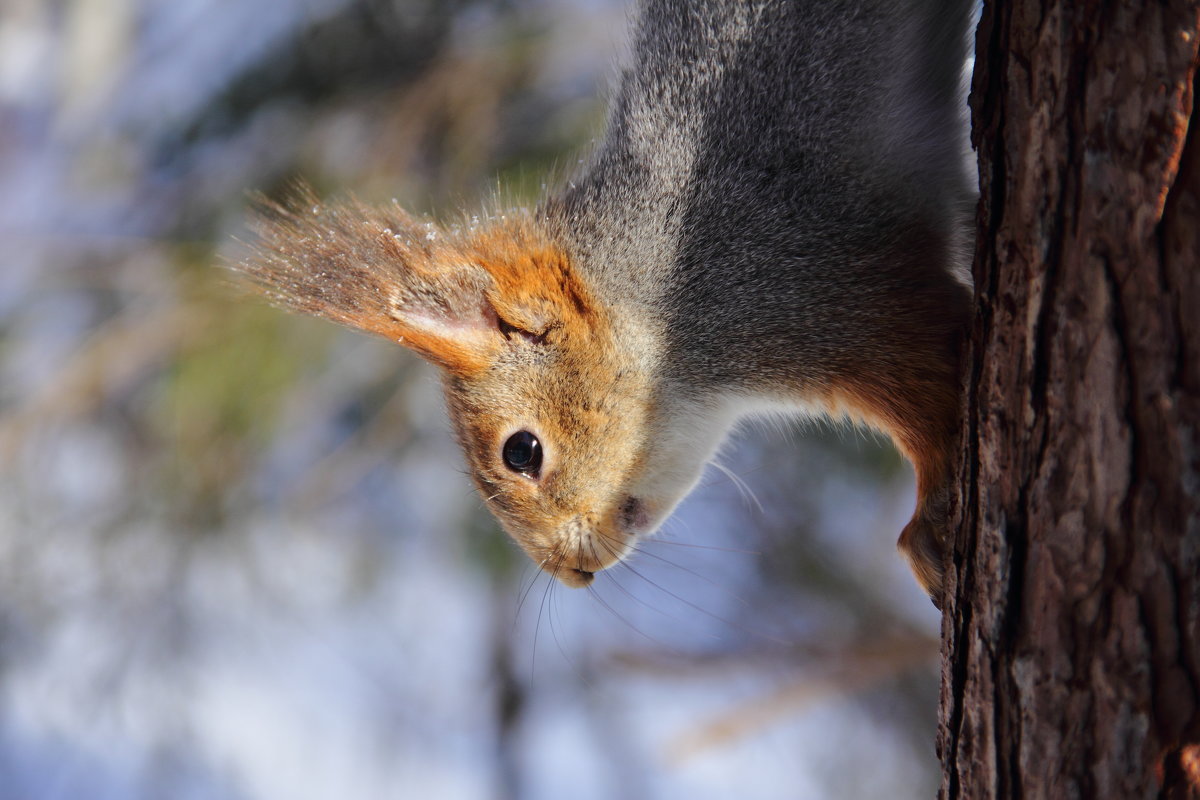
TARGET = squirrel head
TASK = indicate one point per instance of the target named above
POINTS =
(554, 395)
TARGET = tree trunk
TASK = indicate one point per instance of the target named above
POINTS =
(1071, 655)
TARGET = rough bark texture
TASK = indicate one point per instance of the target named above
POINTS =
(1071, 638)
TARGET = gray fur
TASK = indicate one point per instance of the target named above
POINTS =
(782, 183)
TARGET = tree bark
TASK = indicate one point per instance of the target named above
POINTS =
(1071, 634)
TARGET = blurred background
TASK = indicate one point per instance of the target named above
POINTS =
(238, 555)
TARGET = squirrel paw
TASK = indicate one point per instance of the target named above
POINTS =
(923, 543)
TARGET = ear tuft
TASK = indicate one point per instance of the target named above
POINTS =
(374, 269)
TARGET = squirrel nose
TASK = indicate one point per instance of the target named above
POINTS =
(576, 578)
(582, 550)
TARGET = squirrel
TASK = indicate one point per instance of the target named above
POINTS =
(777, 218)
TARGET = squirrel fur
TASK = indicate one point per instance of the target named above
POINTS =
(776, 218)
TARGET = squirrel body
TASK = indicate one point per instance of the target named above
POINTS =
(777, 217)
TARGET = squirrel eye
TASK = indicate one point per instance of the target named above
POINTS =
(523, 453)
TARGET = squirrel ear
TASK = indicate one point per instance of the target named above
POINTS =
(378, 270)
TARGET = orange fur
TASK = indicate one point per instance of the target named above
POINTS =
(918, 409)
(535, 287)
